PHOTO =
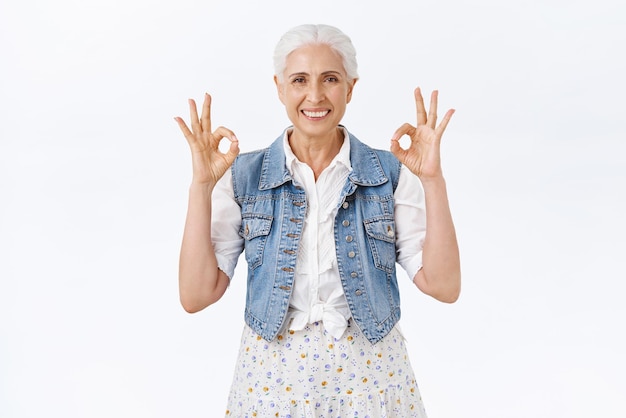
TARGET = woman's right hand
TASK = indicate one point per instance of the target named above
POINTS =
(209, 163)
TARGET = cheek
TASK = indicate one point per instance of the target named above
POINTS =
(340, 98)
(292, 100)
(341, 94)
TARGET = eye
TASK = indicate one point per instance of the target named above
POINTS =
(298, 80)
(331, 79)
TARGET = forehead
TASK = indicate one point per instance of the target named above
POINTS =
(314, 58)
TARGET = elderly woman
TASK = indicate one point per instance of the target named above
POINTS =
(323, 219)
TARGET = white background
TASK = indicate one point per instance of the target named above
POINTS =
(94, 176)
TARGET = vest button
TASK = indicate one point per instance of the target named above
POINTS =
(353, 274)
(351, 254)
(358, 292)
(349, 238)
(345, 222)
(345, 205)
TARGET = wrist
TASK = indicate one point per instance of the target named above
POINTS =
(433, 181)
(201, 187)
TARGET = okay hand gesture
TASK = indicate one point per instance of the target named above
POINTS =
(209, 163)
(422, 157)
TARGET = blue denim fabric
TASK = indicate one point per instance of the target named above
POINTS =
(273, 209)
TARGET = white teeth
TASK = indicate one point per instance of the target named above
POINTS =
(315, 114)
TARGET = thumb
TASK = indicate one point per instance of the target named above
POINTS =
(233, 149)
(397, 150)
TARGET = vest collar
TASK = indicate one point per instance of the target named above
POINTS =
(366, 167)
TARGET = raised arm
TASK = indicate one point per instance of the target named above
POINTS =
(200, 281)
(440, 276)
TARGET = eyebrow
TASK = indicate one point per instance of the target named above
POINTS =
(333, 72)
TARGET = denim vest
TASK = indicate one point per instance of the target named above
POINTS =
(273, 209)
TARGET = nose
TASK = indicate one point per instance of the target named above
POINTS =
(315, 93)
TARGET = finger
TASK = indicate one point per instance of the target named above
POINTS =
(444, 122)
(397, 150)
(223, 132)
(184, 128)
(205, 122)
(432, 111)
(421, 109)
(193, 116)
(233, 150)
(405, 129)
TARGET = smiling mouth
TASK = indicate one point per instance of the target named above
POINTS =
(315, 115)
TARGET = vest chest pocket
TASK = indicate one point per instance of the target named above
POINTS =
(381, 235)
(254, 230)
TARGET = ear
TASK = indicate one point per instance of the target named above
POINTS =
(350, 88)
(279, 89)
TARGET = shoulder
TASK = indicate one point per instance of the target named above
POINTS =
(250, 156)
(246, 169)
(384, 156)
(369, 161)
(274, 150)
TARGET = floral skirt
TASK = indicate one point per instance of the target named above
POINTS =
(309, 373)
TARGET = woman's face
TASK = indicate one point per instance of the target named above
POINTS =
(315, 90)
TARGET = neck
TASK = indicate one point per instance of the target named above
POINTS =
(316, 152)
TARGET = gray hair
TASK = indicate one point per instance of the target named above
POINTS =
(315, 35)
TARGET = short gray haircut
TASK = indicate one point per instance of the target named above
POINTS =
(310, 34)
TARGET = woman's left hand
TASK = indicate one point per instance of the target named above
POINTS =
(422, 157)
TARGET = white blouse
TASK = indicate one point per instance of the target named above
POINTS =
(317, 292)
